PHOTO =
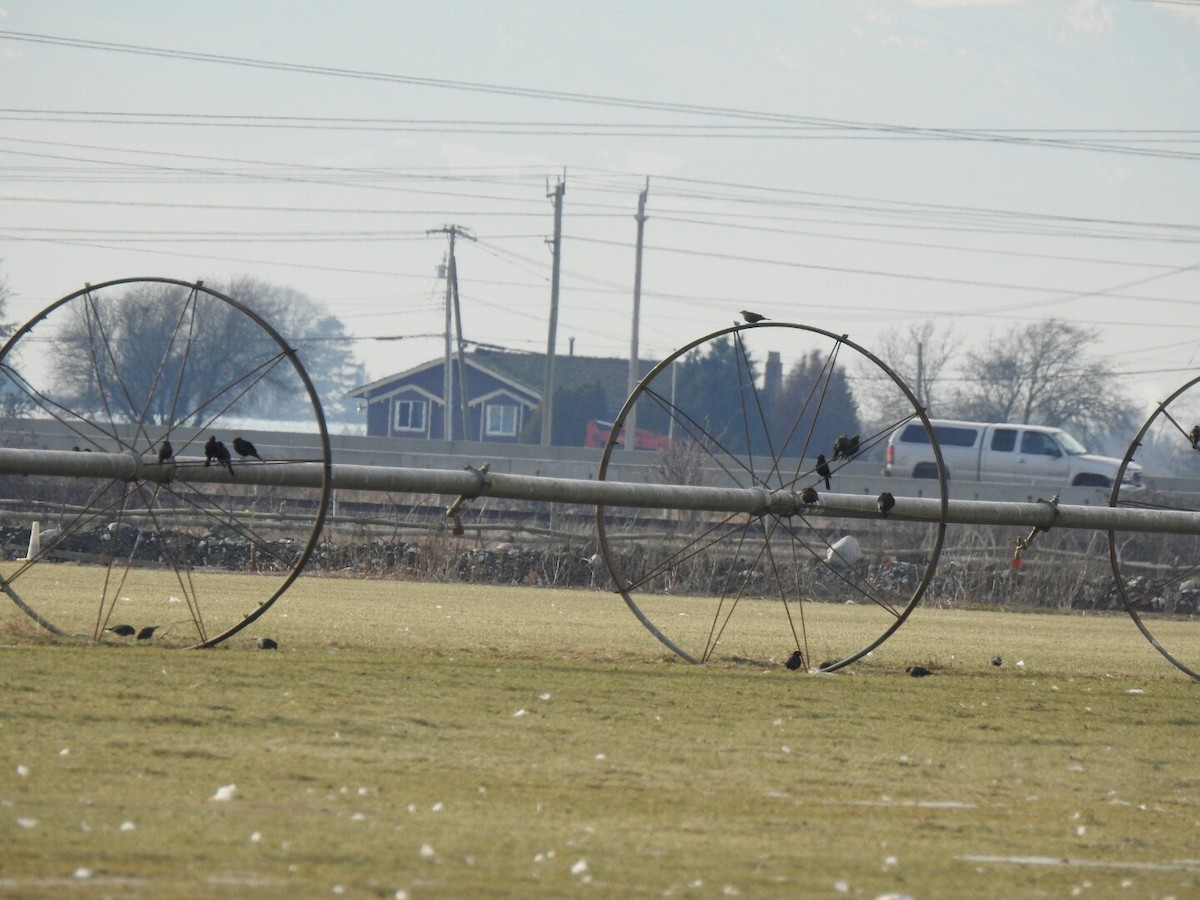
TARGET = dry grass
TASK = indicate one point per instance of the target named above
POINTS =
(440, 740)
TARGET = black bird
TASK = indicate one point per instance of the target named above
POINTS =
(997, 661)
(918, 671)
(795, 661)
(809, 495)
(752, 317)
(845, 447)
(1194, 437)
(885, 503)
(823, 469)
(266, 643)
(244, 448)
(146, 633)
(122, 630)
(214, 449)
(165, 451)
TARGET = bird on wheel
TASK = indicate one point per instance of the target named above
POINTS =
(752, 318)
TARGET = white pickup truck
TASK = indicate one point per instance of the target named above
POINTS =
(982, 451)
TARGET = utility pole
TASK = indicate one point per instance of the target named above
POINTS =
(556, 249)
(453, 310)
(631, 419)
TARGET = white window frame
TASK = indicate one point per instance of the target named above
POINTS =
(502, 411)
(411, 405)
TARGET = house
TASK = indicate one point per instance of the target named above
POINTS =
(504, 395)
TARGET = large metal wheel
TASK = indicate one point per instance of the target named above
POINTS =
(722, 411)
(126, 367)
(1158, 575)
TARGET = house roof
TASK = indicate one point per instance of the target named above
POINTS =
(378, 387)
(526, 371)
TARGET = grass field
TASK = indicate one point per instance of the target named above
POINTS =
(421, 740)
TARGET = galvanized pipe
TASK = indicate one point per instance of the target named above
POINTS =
(472, 483)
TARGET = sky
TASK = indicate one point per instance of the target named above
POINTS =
(861, 166)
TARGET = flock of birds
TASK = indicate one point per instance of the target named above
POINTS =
(144, 634)
(215, 451)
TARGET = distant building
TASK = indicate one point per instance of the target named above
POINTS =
(504, 397)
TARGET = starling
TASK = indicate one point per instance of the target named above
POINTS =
(918, 671)
(752, 317)
(795, 661)
(823, 469)
(1194, 437)
(146, 633)
(266, 643)
(215, 450)
(809, 495)
(122, 630)
(845, 447)
(885, 503)
(997, 661)
(244, 448)
(165, 451)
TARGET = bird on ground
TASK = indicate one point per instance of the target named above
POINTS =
(165, 451)
(997, 661)
(752, 318)
(1194, 437)
(215, 450)
(146, 633)
(885, 503)
(845, 447)
(809, 495)
(823, 469)
(266, 643)
(918, 671)
(244, 448)
(122, 630)
(795, 661)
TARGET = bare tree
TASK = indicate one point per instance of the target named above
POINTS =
(156, 355)
(918, 355)
(1043, 374)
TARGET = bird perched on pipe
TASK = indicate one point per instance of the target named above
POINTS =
(215, 450)
(886, 502)
(752, 318)
(809, 495)
(165, 451)
(244, 448)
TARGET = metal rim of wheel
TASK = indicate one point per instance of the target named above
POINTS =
(131, 542)
(688, 579)
(1151, 584)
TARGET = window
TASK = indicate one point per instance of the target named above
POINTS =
(409, 415)
(1034, 443)
(500, 421)
(952, 436)
(1004, 439)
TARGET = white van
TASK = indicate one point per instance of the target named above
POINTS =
(981, 451)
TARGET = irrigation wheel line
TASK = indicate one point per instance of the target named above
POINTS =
(165, 360)
(1158, 575)
(765, 584)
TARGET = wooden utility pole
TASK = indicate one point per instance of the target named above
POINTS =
(453, 312)
(631, 419)
(548, 379)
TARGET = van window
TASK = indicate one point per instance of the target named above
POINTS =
(1004, 439)
(953, 436)
(1035, 443)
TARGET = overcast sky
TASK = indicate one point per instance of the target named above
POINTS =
(860, 165)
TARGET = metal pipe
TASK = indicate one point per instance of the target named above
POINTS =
(472, 483)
